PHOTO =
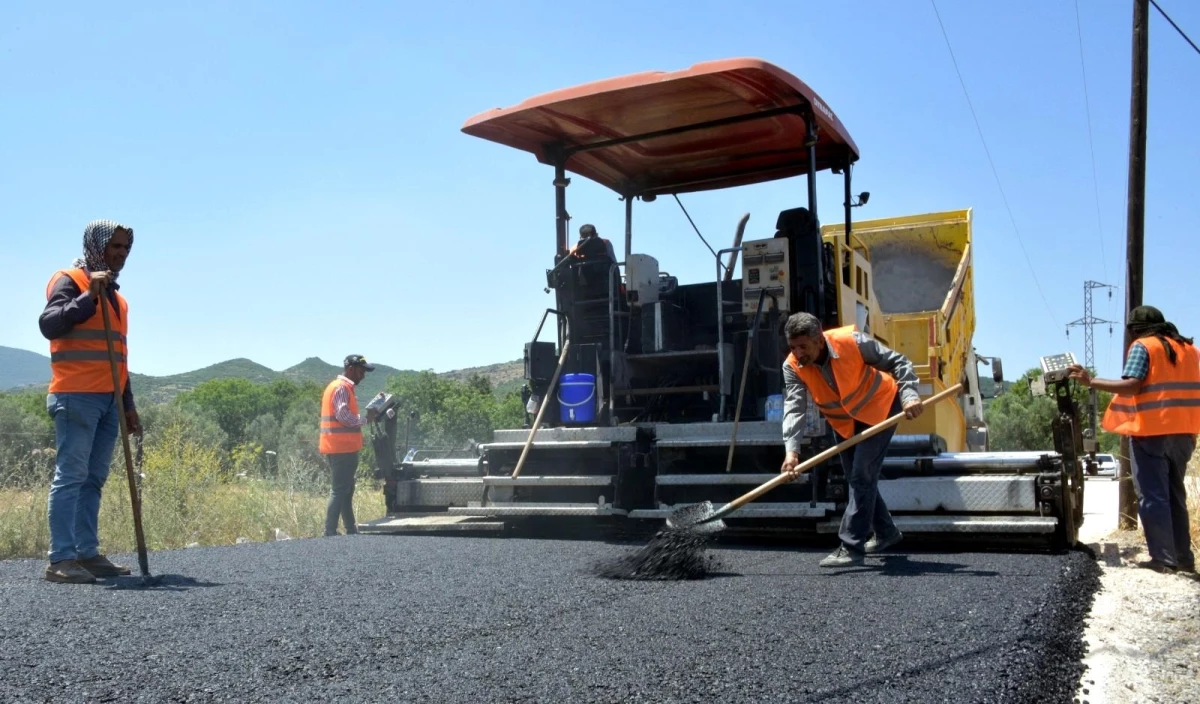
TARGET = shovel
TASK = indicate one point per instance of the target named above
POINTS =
(134, 493)
(702, 519)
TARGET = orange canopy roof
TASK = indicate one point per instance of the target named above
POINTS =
(715, 125)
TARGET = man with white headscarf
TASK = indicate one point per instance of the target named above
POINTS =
(82, 400)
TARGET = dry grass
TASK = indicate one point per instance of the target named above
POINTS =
(187, 499)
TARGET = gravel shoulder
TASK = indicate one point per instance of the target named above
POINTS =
(1143, 632)
(386, 618)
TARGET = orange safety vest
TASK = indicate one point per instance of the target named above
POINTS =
(1169, 401)
(864, 393)
(79, 360)
(335, 437)
(575, 251)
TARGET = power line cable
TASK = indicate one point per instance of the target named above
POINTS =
(689, 218)
(991, 162)
(1177, 29)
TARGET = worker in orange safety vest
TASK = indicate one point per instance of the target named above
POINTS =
(341, 440)
(82, 401)
(591, 245)
(1157, 405)
(855, 382)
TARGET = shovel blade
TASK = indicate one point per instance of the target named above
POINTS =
(696, 518)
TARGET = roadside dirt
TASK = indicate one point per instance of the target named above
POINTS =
(1143, 634)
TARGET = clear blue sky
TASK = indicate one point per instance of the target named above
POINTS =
(299, 185)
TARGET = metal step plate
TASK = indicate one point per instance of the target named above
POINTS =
(446, 466)
(582, 480)
(448, 463)
(540, 444)
(756, 433)
(426, 523)
(722, 479)
(966, 494)
(777, 509)
(1039, 525)
(439, 491)
(523, 509)
(603, 434)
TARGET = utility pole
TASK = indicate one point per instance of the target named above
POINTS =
(1135, 222)
(1087, 322)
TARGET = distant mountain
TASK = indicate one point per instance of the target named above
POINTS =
(320, 371)
(505, 376)
(22, 369)
(160, 389)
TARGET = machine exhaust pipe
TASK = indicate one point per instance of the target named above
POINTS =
(737, 242)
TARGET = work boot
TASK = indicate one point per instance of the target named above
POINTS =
(68, 572)
(1156, 565)
(100, 566)
(843, 557)
(877, 545)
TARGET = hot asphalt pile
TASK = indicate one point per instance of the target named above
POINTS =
(670, 554)
(386, 618)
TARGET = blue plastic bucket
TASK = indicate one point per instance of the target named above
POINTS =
(774, 407)
(577, 398)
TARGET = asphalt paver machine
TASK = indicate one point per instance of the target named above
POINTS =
(642, 382)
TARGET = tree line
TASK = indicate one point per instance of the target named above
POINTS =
(1018, 420)
(258, 427)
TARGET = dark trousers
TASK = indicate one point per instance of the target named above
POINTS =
(342, 468)
(866, 513)
(1159, 464)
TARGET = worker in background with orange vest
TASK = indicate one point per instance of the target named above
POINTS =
(855, 382)
(591, 245)
(341, 440)
(81, 398)
(1157, 404)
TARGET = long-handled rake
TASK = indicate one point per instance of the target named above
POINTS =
(134, 494)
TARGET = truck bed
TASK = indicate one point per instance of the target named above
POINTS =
(921, 275)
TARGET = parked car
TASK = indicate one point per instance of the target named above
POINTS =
(1106, 465)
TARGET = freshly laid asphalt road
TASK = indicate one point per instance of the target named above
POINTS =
(392, 618)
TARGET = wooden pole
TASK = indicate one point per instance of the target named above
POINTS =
(1135, 224)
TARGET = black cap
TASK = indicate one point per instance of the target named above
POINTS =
(587, 231)
(357, 360)
(1146, 315)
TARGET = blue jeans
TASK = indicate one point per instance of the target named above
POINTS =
(866, 513)
(86, 428)
(1159, 464)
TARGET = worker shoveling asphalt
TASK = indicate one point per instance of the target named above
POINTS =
(677, 551)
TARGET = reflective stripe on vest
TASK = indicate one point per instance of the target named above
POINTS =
(871, 391)
(79, 360)
(336, 438)
(77, 334)
(1169, 400)
(339, 428)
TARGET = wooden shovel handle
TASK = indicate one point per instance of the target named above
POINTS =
(831, 452)
(562, 359)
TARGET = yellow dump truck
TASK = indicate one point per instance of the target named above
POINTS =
(919, 269)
